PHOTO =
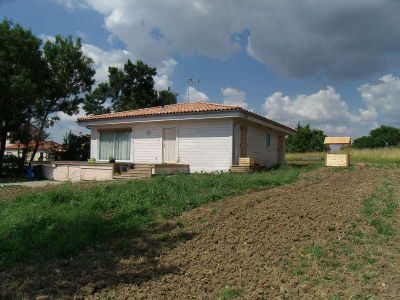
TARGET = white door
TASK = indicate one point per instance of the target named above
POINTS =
(169, 145)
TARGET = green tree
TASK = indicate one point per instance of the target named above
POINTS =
(363, 142)
(94, 103)
(128, 88)
(21, 73)
(166, 97)
(306, 139)
(76, 147)
(384, 136)
(69, 76)
(132, 87)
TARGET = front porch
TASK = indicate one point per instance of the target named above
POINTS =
(85, 171)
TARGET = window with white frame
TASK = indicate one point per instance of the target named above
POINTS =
(115, 144)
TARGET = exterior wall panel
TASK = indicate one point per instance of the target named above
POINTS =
(206, 145)
(257, 148)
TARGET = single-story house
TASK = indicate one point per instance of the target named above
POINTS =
(47, 150)
(205, 136)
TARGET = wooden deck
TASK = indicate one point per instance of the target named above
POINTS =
(138, 171)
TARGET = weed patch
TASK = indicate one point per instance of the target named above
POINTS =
(228, 293)
(354, 253)
(379, 207)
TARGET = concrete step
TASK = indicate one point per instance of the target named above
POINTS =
(244, 169)
(133, 174)
(138, 172)
(142, 165)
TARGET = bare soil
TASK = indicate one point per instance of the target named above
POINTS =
(249, 244)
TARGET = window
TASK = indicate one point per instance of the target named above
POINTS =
(115, 144)
(268, 140)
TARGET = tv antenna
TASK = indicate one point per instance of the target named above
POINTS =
(190, 82)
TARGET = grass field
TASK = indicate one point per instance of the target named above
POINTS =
(62, 220)
(379, 155)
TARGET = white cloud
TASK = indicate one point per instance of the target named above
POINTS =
(117, 58)
(383, 99)
(234, 96)
(295, 38)
(195, 95)
(162, 80)
(70, 5)
(324, 109)
(104, 59)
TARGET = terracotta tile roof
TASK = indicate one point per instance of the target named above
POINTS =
(43, 146)
(179, 108)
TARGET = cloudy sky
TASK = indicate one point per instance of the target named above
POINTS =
(333, 64)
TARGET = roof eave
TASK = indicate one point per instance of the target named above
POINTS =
(183, 115)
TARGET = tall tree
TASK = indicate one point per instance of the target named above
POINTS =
(132, 87)
(128, 88)
(21, 73)
(306, 139)
(69, 76)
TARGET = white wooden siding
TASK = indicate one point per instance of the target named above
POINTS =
(206, 145)
(94, 143)
(256, 145)
(147, 143)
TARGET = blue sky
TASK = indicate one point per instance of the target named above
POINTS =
(335, 66)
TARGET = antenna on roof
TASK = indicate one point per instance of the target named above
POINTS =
(190, 82)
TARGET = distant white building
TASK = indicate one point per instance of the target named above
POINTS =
(47, 150)
(206, 136)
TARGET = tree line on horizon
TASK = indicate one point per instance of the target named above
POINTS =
(307, 139)
(40, 79)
